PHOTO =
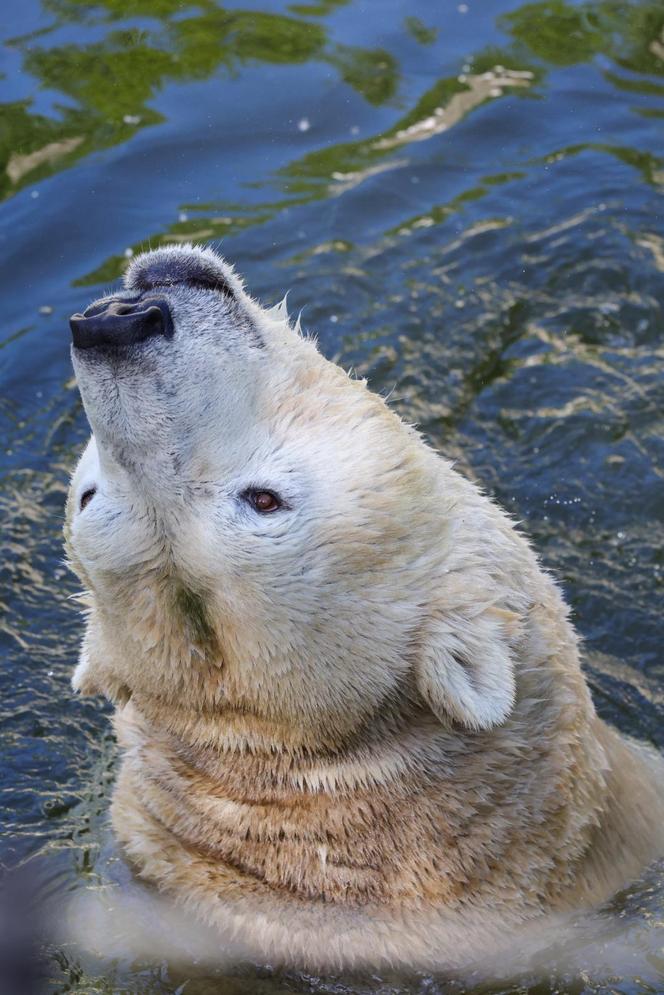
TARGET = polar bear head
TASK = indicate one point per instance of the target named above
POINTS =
(261, 539)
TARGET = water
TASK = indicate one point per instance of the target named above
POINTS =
(467, 200)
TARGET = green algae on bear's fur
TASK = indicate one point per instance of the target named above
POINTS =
(193, 611)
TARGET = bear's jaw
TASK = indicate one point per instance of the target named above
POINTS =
(150, 633)
(155, 643)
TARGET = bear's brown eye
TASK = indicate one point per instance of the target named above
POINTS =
(263, 501)
(86, 497)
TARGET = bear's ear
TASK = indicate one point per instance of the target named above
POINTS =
(464, 669)
(89, 680)
(83, 679)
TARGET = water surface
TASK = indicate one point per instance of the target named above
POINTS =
(467, 202)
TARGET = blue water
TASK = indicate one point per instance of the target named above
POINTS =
(467, 202)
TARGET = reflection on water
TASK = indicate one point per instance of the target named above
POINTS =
(467, 201)
(107, 83)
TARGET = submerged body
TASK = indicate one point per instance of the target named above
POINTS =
(353, 721)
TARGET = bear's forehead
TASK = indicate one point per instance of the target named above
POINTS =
(322, 393)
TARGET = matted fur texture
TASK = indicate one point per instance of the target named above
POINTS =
(355, 729)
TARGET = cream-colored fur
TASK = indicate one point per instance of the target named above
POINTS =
(355, 729)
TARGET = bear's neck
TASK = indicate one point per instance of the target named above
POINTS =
(415, 813)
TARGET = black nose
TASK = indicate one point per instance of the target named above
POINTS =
(121, 322)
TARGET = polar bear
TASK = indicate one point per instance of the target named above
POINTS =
(353, 724)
